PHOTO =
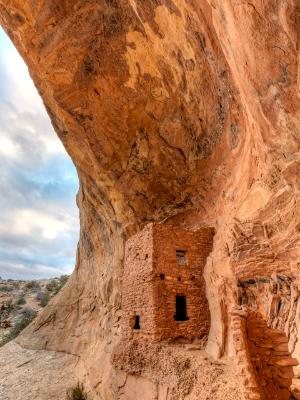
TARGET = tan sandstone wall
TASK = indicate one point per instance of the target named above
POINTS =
(184, 112)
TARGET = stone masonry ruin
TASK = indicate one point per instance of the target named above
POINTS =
(186, 112)
(163, 293)
(264, 330)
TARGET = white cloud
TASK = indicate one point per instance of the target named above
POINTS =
(53, 145)
(21, 271)
(28, 221)
(38, 183)
(8, 147)
(23, 93)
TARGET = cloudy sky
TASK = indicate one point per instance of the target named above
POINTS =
(38, 182)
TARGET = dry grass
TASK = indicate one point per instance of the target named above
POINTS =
(77, 393)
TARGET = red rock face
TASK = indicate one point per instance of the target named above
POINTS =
(186, 112)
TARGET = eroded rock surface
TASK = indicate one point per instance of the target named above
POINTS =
(177, 111)
(35, 374)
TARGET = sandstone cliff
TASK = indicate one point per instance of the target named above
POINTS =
(177, 111)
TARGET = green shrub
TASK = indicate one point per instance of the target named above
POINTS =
(28, 317)
(6, 288)
(56, 284)
(51, 286)
(77, 393)
(20, 301)
(45, 299)
(63, 279)
(32, 285)
(9, 306)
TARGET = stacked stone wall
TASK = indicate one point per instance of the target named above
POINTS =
(263, 330)
(251, 388)
(186, 280)
(271, 359)
(153, 278)
(137, 287)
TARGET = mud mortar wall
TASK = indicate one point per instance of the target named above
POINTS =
(137, 290)
(265, 337)
(184, 280)
(153, 278)
(271, 359)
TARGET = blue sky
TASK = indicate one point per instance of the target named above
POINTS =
(38, 183)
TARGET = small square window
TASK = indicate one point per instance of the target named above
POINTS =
(180, 257)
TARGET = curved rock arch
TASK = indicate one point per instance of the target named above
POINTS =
(170, 110)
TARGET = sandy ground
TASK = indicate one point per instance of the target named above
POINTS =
(35, 374)
(46, 375)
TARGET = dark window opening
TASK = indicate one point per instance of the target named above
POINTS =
(180, 309)
(179, 278)
(137, 322)
(279, 306)
(162, 277)
(180, 256)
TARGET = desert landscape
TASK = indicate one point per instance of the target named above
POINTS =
(21, 301)
(182, 119)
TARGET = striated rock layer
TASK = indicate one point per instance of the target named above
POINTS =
(177, 111)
